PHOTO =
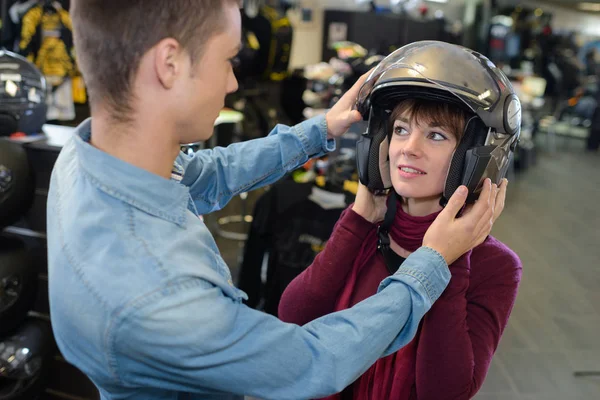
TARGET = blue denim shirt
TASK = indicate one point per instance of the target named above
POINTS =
(142, 302)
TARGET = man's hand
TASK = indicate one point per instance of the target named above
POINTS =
(451, 236)
(341, 115)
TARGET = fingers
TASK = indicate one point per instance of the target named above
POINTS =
(492, 206)
(363, 78)
(483, 203)
(484, 225)
(455, 203)
(500, 199)
(353, 92)
(350, 96)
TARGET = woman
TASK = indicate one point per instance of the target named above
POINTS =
(451, 353)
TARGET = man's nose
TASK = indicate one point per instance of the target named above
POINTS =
(232, 85)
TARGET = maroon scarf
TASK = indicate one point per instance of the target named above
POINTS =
(407, 231)
(383, 380)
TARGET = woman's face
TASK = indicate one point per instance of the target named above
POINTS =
(420, 156)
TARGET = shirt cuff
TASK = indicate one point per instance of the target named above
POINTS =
(313, 135)
(356, 224)
(425, 267)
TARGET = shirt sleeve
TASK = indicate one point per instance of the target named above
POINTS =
(214, 176)
(314, 292)
(201, 341)
(461, 332)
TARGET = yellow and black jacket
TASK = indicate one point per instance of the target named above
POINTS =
(47, 41)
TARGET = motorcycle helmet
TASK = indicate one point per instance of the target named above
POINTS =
(17, 186)
(18, 283)
(22, 95)
(24, 358)
(442, 72)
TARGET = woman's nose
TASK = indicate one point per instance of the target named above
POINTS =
(413, 147)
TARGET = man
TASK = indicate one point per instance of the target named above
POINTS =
(141, 300)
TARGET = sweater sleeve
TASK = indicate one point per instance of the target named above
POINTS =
(313, 293)
(461, 332)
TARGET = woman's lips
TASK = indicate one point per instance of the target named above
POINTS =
(408, 171)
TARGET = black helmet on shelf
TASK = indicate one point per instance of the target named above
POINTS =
(18, 283)
(24, 358)
(22, 95)
(442, 72)
(17, 185)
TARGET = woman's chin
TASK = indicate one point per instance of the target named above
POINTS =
(409, 190)
(417, 193)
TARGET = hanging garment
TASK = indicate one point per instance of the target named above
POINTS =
(281, 44)
(292, 223)
(272, 33)
(47, 41)
(11, 32)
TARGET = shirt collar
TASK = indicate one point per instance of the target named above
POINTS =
(165, 199)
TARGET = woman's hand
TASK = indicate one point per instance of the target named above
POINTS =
(367, 205)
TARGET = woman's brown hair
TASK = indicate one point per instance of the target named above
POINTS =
(423, 112)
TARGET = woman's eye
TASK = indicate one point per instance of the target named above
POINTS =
(438, 137)
(398, 130)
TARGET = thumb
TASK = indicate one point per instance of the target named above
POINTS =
(456, 202)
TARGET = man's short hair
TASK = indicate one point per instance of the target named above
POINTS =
(111, 36)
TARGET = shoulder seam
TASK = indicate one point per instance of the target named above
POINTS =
(143, 243)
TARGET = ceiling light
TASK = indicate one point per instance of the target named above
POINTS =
(437, 1)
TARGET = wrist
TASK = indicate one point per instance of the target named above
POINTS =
(443, 254)
(330, 136)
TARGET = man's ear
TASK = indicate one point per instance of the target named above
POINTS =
(168, 62)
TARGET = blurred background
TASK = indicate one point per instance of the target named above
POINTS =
(298, 59)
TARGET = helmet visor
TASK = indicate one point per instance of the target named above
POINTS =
(465, 74)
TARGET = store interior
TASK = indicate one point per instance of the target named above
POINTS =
(298, 58)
